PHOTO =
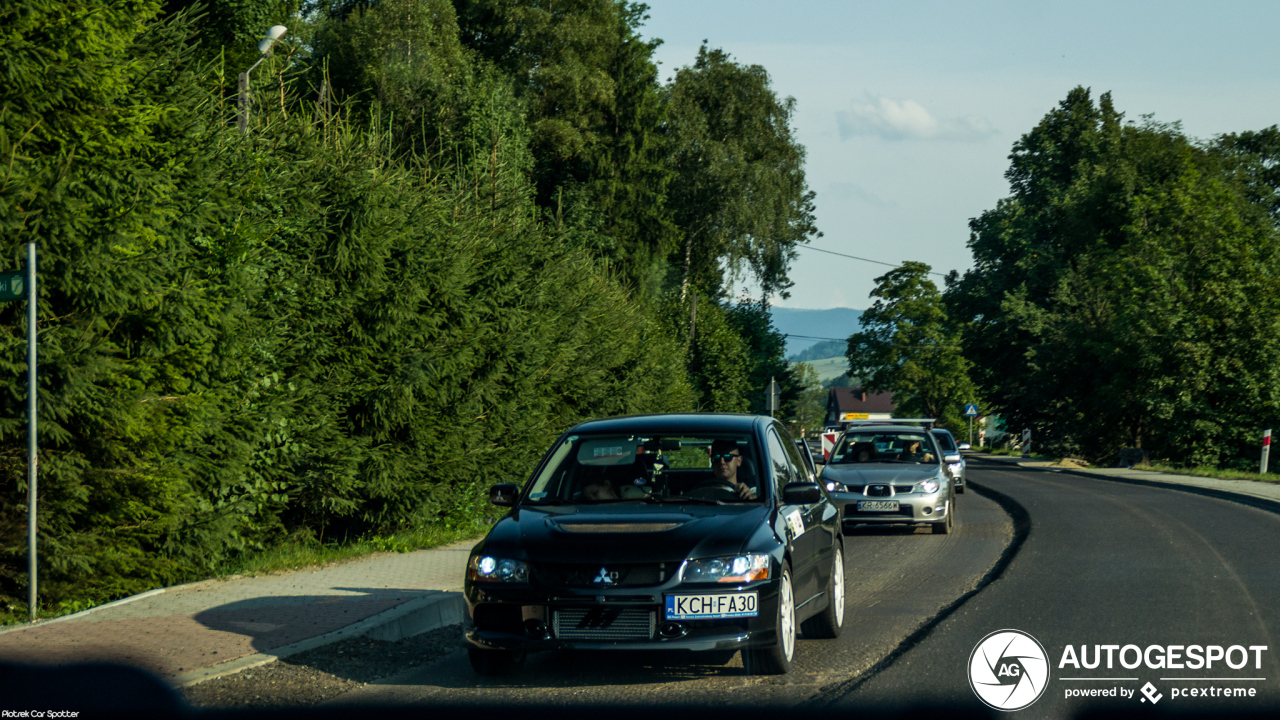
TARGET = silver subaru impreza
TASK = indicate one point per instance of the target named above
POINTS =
(891, 474)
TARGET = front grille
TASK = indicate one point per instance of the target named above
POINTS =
(595, 576)
(878, 491)
(603, 623)
(902, 488)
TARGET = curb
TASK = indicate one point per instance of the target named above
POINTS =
(82, 613)
(1257, 501)
(415, 617)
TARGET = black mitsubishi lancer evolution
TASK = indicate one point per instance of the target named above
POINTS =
(700, 532)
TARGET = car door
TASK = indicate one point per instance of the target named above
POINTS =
(803, 533)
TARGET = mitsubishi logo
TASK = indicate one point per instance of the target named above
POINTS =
(605, 577)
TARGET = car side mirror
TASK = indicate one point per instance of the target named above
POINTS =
(504, 494)
(801, 493)
(951, 458)
(965, 446)
(818, 459)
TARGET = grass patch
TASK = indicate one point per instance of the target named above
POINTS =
(1212, 473)
(293, 557)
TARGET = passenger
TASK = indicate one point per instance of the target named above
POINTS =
(863, 452)
(914, 453)
(599, 489)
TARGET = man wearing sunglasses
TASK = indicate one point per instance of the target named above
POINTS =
(726, 458)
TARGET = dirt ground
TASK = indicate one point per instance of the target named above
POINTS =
(323, 674)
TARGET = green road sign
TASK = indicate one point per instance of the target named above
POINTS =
(13, 285)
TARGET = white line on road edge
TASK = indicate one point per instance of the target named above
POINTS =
(412, 618)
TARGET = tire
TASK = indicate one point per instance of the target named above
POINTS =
(828, 623)
(777, 660)
(493, 663)
(944, 527)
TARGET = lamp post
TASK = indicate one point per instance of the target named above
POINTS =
(274, 34)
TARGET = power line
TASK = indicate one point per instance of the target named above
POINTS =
(855, 257)
(810, 337)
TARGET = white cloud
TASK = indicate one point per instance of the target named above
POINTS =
(891, 119)
(853, 191)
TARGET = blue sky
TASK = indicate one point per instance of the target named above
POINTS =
(908, 110)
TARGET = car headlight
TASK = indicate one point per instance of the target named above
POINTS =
(955, 469)
(737, 569)
(928, 487)
(486, 568)
(833, 486)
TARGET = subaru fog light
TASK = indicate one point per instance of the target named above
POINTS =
(738, 569)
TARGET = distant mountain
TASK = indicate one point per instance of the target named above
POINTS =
(831, 323)
(821, 350)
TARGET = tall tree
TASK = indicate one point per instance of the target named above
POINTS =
(595, 113)
(739, 195)
(1121, 296)
(767, 348)
(908, 347)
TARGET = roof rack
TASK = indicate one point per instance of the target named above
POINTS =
(927, 422)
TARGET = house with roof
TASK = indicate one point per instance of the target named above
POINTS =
(855, 403)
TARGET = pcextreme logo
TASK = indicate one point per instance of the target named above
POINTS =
(1008, 670)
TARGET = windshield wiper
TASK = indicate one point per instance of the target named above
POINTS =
(680, 498)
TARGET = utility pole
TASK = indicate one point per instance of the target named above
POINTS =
(242, 103)
(693, 318)
(32, 459)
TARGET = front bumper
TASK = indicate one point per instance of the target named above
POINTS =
(531, 619)
(913, 508)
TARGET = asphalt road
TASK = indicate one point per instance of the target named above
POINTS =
(1107, 563)
(897, 582)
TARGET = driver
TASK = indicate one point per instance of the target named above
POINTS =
(726, 458)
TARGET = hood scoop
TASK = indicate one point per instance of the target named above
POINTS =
(615, 527)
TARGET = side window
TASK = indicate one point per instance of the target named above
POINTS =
(784, 470)
(797, 460)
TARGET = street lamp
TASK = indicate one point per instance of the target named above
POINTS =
(275, 33)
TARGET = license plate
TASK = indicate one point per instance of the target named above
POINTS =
(878, 506)
(710, 607)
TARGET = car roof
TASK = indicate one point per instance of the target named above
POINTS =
(884, 428)
(674, 423)
(943, 430)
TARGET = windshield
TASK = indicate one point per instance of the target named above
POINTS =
(944, 439)
(903, 446)
(592, 469)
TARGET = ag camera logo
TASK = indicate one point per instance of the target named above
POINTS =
(1008, 670)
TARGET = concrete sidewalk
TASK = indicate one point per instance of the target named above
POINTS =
(203, 630)
(1250, 492)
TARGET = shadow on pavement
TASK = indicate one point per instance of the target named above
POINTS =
(275, 621)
